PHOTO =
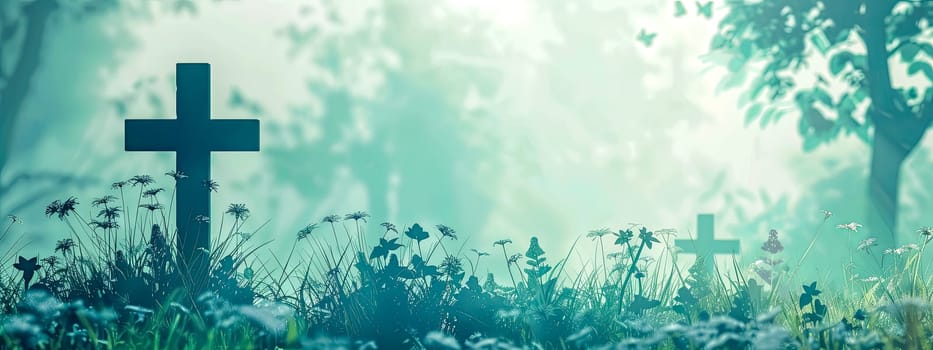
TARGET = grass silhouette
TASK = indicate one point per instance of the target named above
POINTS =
(114, 282)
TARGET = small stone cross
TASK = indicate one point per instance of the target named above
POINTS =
(706, 245)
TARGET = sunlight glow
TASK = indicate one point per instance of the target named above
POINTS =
(505, 13)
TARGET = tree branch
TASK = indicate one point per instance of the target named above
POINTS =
(874, 36)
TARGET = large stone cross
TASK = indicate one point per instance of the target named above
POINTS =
(193, 136)
(706, 246)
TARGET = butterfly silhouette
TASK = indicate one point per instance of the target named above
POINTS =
(705, 10)
(646, 38)
(29, 268)
(679, 9)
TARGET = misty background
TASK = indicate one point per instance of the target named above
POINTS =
(499, 118)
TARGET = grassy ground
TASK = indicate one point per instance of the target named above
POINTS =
(114, 282)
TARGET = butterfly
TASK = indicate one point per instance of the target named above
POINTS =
(646, 38)
(29, 268)
(679, 9)
(706, 10)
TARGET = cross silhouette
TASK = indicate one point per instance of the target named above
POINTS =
(705, 245)
(193, 136)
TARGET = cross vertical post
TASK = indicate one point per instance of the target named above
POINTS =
(193, 136)
(706, 246)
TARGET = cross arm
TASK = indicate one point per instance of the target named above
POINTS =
(150, 135)
(233, 135)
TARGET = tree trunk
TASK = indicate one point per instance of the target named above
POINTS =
(887, 157)
(36, 15)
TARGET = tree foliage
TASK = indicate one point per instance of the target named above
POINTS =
(793, 56)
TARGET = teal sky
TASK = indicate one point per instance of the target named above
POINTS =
(501, 119)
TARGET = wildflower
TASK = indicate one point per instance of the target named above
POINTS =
(28, 267)
(534, 249)
(104, 225)
(389, 227)
(906, 249)
(306, 231)
(141, 180)
(385, 246)
(151, 206)
(416, 232)
(596, 234)
(239, 211)
(110, 213)
(451, 266)
(64, 245)
(177, 175)
(118, 185)
(926, 231)
(356, 216)
(152, 192)
(62, 209)
(773, 245)
(502, 242)
(623, 237)
(514, 258)
(51, 261)
(68, 206)
(331, 219)
(202, 218)
(866, 244)
(211, 185)
(447, 231)
(647, 237)
(14, 219)
(826, 214)
(852, 226)
(479, 253)
(105, 200)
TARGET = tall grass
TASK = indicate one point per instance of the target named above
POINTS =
(114, 282)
